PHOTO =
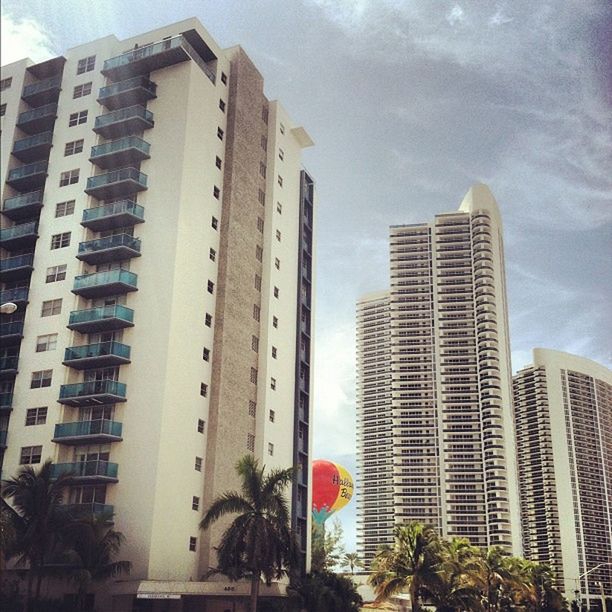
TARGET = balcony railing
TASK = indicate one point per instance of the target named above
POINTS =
(20, 266)
(126, 150)
(136, 90)
(42, 92)
(23, 206)
(86, 470)
(117, 247)
(105, 283)
(3, 436)
(38, 119)
(6, 400)
(117, 214)
(28, 177)
(33, 147)
(94, 392)
(18, 295)
(98, 355)
(116, 183)
(102, 318)
(12, 328)
(19, 236)
(90, 432)
(8, 365)
(124, 121)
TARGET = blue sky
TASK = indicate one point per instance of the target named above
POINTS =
(409, 102)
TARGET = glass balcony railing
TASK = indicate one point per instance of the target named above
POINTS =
(99, 428)
(123, 151)
(12, 328)
(37, 119)
(100, 354)
(89, 508)
(117, 214)
(3, 437)
(16, 295)
(116, 247)
(42, 90)
(6, 400)
(24, 205)
(16, 267)
(19, 234)
(124, 120)
(132, 91)
(116, 183)
(97, 390)
(27, 171)
(102, 318)
(104, 283)
(33, 147)
(9, 363)
(86, 469)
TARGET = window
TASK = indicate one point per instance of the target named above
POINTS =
(275, 322)
(262, 169)
(195, 503)
(63, 209)
(77, 118)
(59, 241)
(216, 192)
(208, 320)
(280, 180)
(69, 178)
(258, 282)
(212, 254)
(258, 253)
(261, 197)
(281, 154)
(274, 352)
(264, 114)
(42, 378)
(224, 78)
(211, 287)
(251, 442)
(5, 83)
(76, 146)
(219, 133)
(198, 464)
(56, 273)
(51, 307)
(81, 90)
(254, 376)
(256, 312)
(47, 342)
(260, 224)
(201, 425)
(193, 543)
(2, 110)
(87, 64)
(279, 208)
(264, 143)
(271, 416)
(273, 384)
(270, 448)
(278, 235)
(203, 389)
(214, 223)
(30, 454)
(218, 162)
(36, 416)
(222, 105)
(206, 354)
(276, 292)
(277, 263)
(252, 408)
(255, 343)
(282, 128)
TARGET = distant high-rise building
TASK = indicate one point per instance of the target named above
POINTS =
(158, 240)
(563, 406)
(434, 397)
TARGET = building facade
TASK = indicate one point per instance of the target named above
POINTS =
(434, 365)
(157, 236)
(563, 407)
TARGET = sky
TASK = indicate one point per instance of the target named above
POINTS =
(410, 102)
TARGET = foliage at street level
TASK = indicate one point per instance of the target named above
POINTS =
(53, 540)
(454, 576)
(327, 547)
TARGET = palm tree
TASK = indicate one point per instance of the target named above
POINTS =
(258, 542)
(412, 563)
(37, 498)
(325, 592)
(496, 575)
(352, 560)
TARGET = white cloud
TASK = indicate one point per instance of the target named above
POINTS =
(456, 16)
(22, 38)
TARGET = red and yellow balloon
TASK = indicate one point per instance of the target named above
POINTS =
(332, 489)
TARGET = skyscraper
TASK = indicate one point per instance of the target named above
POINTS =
(434, 367)
(563, 407)
(158, 240)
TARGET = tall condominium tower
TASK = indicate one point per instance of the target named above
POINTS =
(434, 396)
(563, 407)
(158, 240)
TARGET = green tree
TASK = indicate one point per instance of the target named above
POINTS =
(259, 542)
(326, 592)
(327, 546)
(352, 560)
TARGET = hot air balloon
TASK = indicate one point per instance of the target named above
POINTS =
(332, 489)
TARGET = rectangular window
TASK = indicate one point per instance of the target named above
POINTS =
(71, 148)
(264, 143)
(214, 223)
(274, 321)
(258, 253)
(224, 78)
(5, 83)
(278, 235)
(262, 169)
(281, 154)
(41, 378)
(218, 162)
(206, 354)
(260, 224)
(208, 320)
(251, 442)
(195, 503)
(274, 352)
(270, 448)
(277, 263)
(279, 208)
(51, 307)
(264, 114)
(256, 312)
(211, 287)
(276, 292)
(63, 209)
(2, 110)
(222, 105)
(36, 416)
(255, 343)
(280, 180)
(282, 128)
(47, 342)
(69, 178)
(273, 384)
(87, 64)
(203, 389)
(271, 416)
(77, 118)
(261, 197)
(56, 273)
(198, 464)
(81, 90)
(219, 133)
(258, 282)
(216, 192)
(252, 408)
(201, 425)
(193, 542)
(254, 376)
(30, 455)
(59, 241)
(212, 254)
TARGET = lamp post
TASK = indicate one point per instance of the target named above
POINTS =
(601, 586)
(8, 308)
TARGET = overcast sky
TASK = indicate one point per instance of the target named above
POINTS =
(409, 102)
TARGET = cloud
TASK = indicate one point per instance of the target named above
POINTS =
(24, 37)
(456, 16)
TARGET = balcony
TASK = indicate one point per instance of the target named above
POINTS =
(8, 366)
(99, 355)
(3, 436)
(20, 236)
(6, 401)
(118, 247)
(116, 183)
(11, 331)
(124, 121)
(100, 284)
(137, 90)
(129, 150)
(18, 267)
(28, 177)
(93, 393)
(42, 92)
(91, 508)
(23, 206)
(88, 432)
(34, 147)
(18, 295)
(87, 471)
(38, 119)
(109, 216)
(156, 56)
(102, 318)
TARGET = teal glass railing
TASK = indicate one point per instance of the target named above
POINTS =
(34, 88)
(23, 229)
(9, 362)
(37, 113)
(127, 85)
(121, 144)
(98, 349)
(105, 278)
(122, 114)
(85, 468)
(6, 399)
(31, 141)
(93, 387)
(109, 242)
(18, 261)
(115, 311)
(28, 170)
(25, 199)
(115, 208)
(89, 508)
(18, 294)
(3, 436)
(116, 176)
(88, 428)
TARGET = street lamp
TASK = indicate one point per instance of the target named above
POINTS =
(8, 308)
(601, 586)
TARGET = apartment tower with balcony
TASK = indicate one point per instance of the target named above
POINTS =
(435, 419)
(563, 407)
(157, 238)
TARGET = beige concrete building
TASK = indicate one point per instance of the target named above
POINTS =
(563, 407)
(434, 396)
(157, 236)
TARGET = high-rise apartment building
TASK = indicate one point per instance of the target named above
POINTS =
(563, 406)
(434, 398)
(157, 236)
